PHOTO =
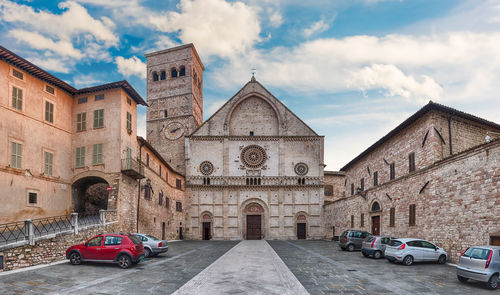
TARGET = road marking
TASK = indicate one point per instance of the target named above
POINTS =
(359, 274)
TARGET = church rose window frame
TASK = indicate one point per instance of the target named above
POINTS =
(253, 156)
(206, 168)
(301, 169)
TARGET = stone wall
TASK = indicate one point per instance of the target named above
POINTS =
(49, 250)
(459, 206)
(334, 185)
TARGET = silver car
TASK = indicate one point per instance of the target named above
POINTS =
(152, 246)
(480, 263)
(411, 250)
(375, 246)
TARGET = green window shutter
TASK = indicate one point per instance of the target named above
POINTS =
(80, 157)
(13, 159)
(49, 112)
(17, 98)
(99, 118)
(96, 119)
(84, 121)
(97, 154)
(16, 155)
(48, 163)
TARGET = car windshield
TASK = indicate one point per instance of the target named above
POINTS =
(477, 253)
(135, 240)
(152, 238)
(344, 234)
(395, 243)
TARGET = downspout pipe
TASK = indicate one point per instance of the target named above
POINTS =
(139, 188)
(449, 135)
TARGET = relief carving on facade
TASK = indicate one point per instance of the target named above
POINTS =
(254, 208)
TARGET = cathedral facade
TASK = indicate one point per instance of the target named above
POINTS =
(253, 170)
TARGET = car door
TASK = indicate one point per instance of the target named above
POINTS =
(111, 247)
(415, 250)
(92, 249)
(429, 252)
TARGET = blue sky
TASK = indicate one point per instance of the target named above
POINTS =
(352, 70)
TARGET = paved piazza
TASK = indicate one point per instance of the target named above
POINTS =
(249, 267)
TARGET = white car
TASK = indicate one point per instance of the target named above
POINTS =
(410, 250)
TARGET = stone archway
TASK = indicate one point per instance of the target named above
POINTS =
(253, 222)
(301, 225)
(206, 225)
(89, 195)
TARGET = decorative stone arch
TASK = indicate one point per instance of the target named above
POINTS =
(81, 181)
(375, 213)
(245, 97)
(301, 217)
(264, 217)
(375, 203)
(206, 216)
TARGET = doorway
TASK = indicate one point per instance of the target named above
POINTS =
(376, 225)
(254, 227)
(206, 230)
(163, 230)
(495, 240)
(301, 231)
(181, 236)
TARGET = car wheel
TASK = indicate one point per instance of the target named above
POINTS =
(462, 279)
(493, 282)
(442, 259)
(377, 255)
(350, 248)
(147, 252)
(366, 255)
(408, 260)
(75, 258)
(124, 261)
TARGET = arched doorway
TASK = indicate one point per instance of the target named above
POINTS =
(254, 225)
(301, 225)
(375, 208)
(89, 195)
(206, 226)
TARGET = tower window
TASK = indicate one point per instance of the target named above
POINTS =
(182, 71)
(174, 72)
(165, 113)
(155, 76)
(163, 75)
(251, 133)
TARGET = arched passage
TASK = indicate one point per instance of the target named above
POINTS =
(90, 194)
(206, 225)
(301, 225)
(254, 217)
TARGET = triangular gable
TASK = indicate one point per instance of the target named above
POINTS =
(290, 124)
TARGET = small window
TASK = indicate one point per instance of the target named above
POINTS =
(17, 98)
(97, 154)
(392, 171)
(182, 71)
(82, 100)
(375, 207)
(48, 163)
(328, 190)
(251, 133)
(174, 72)
(362, 219)
(147, 159)
(32, 198)
(17, 74)
(112, 241)
(166, 177)
(129, 121)
(352, 189)
(16, 155)
(352, 221)
(50, 89)
(160, 170)
(392, 217)
(178, 206)
(160, 198)
(167, 202)
(155, 76)
(163, 75)
(129, 101)
(362, 184)
(165, 113)
(49, 112)
(412, 215)
(375, 178)
(81, 122)
(99, 97)
(411, 162)
(178, 184)
(80, 157)
(98, 118)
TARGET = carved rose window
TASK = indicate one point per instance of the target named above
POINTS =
(253, 156)
(206, 168)
(301, 169)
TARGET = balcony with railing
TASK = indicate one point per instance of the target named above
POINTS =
(253, 181)
(132, 168)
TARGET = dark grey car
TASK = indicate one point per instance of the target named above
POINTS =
(375, 246)
(152, 246)
(351, 240)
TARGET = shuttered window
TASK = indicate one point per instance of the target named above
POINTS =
(362, 184)
(411, 162)
(81, 122)
(392, 217)
(178, 184)
(48, 163)
(362, 219)
(17, 98)
(352, 189)
(80, 157)
(352, 221)
(49, 112)
(392, 171)
(375, 178)
(97, 154)
(16, 155)
(99, 118)
(412, 215)
(178, 206)
(129, 121)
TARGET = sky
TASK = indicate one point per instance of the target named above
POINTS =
(352, 70)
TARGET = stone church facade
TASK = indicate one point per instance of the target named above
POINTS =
(253, 170)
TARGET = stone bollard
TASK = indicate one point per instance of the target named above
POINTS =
(29, 232)
(102, 216)
(74, 222)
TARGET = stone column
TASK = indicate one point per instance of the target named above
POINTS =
(74, 222)
(29, 232)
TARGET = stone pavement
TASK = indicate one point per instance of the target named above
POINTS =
(251, 267)
(323, 268)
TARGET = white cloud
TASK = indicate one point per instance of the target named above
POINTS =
(131, 66)
(214, 106)
(316, 28)
(51, 64)
(35, 40)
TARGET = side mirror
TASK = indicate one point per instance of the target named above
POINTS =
(436, 248)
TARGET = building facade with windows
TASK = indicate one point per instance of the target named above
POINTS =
(433, 177)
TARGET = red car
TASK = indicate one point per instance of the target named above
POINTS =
(121, 248)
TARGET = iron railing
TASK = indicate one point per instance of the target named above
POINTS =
(86, 219)
(132, 168)
(51, 225)
(12, 232)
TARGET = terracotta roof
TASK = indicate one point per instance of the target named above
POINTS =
(339, 173)
(21, 63)
(157, 154)
(119, 84)
(424, 110)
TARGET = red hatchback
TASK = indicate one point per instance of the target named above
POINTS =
(121, 248)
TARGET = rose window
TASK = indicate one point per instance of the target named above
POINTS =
(206, 168)
(253, 156)
(301, 169)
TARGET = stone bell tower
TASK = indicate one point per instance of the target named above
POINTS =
(175, 98)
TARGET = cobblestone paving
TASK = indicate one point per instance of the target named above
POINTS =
(160, 275)
(323, 268)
